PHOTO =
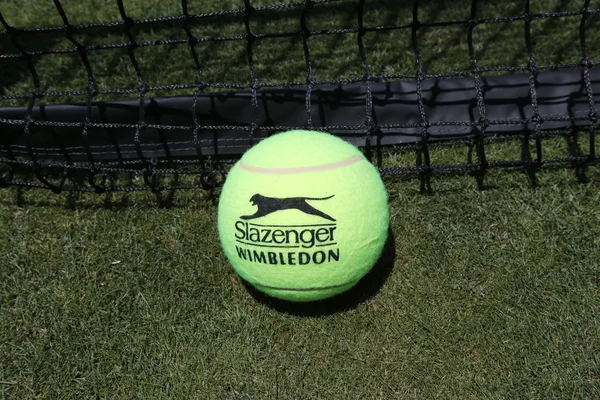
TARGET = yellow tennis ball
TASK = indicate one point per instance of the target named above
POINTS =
(303, 216)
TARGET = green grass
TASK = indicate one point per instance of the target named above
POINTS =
(492, 294)
(482, 293)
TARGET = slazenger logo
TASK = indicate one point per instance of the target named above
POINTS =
(267, 205)
(294, 244)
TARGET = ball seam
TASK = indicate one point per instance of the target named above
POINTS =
(303, 169)
(305, 289)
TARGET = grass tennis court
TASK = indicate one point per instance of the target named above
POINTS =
(482, 292)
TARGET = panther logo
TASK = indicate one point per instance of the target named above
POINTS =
(267, 205)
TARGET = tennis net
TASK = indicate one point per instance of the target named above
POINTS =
(131, 97)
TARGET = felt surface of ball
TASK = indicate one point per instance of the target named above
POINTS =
(303, 216)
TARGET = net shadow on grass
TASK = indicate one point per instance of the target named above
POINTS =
(364, 290)
(22, 196)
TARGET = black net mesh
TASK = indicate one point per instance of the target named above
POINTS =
(302, 52)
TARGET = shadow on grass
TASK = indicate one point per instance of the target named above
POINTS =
(441, 183)
(365, 289)
(122, 191)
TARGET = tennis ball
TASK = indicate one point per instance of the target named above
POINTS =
(303, 216)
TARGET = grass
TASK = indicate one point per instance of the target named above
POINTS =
(482, 293)
(492, 294)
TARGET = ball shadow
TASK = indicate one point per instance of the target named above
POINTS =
(365, 289)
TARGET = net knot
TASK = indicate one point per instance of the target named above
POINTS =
(482, 124)
(372, 128)
(537, 118)
(586, 63)
(129, 22)
(253, 127)
(594, 116)
(80, 47)
(533, 68)
(144, 88)
(92, 89)
(68, 28)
